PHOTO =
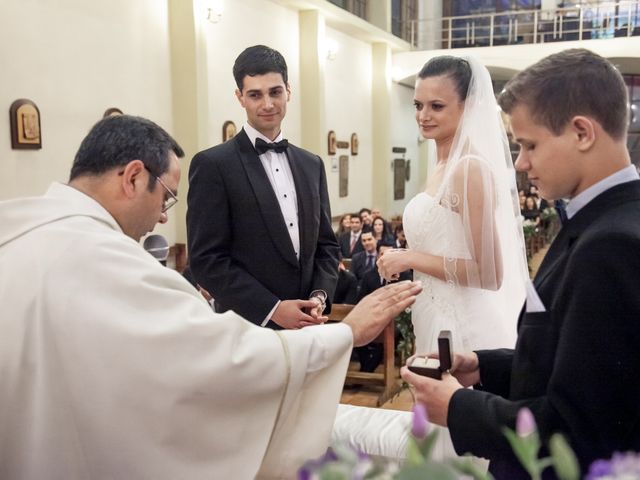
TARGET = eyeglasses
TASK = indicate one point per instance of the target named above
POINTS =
(170, 199)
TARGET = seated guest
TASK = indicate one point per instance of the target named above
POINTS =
(366, 218)
(350, 241)
(401, 240)
(113, 366)
(371, 355)
(371, 280)
(381, 231)
(366, 259)
(530, 211)
(347, 286)
(344, 225)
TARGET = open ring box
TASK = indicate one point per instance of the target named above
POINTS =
(433, 367)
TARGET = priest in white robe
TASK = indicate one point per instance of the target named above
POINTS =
(113, 366)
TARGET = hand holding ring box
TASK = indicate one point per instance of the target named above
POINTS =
(434, 367)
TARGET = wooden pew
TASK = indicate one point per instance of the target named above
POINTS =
(388, 378)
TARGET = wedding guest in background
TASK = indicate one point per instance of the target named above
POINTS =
(366, 259)
(371, 355)
(541, 203)
(380, 231)
(347, 286)
(366, 218)
(344, 225)
(530, 211)
(282, 276)
(522, 199)
(400, 239)
(349, 242)
(576, 364)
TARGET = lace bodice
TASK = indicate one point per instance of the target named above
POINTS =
(431, 228)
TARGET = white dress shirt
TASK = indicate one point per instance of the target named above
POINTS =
(625, 175)
(276, 166)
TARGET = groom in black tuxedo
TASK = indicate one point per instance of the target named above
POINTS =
(258, 220)
(576, 364)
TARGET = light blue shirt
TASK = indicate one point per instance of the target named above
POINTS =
(627, 174)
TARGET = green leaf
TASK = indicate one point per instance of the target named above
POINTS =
(335, 471)
(526, 449)
(414, 455)
(426, 446)
(467, 467)
(564, 460)
(428, 471)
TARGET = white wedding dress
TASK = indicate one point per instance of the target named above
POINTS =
(473, 315)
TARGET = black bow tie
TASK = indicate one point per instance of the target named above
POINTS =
(278, 147)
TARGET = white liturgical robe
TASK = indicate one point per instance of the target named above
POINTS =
(113, 367)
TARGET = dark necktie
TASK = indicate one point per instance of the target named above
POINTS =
(370, 260)
(562, 212)
(278, 147)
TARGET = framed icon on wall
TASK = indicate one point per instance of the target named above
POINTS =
(25, 125)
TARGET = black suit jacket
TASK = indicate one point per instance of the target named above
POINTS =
(239, 247)
(359, 264)
(345, 244)
(576, 365)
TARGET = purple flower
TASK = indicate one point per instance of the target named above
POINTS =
(598, 469)
(420, 426)
(525, 423)
(621, 465)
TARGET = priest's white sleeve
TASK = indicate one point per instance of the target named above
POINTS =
(318, 358)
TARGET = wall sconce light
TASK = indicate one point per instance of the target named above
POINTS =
(332, 48)
(215, 10)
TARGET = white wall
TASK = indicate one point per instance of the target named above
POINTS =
(348, 110)
(244, 24)
(405, 133)
(74, 59)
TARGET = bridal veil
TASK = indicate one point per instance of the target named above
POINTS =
(479, 185)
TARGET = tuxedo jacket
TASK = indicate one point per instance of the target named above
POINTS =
(576, 366)
(345, 245)
(239, 246)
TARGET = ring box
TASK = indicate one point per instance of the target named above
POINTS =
(434, 367)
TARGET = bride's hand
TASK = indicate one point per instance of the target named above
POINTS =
(391, 262)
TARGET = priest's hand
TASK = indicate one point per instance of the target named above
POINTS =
(290, 314)
(435, 395)
(369, 317)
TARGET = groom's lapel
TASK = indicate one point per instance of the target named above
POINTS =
(266, 197)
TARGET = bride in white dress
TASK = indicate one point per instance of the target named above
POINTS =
(463, 232)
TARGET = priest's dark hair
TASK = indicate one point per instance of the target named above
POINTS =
(115, 141)
(259, 60)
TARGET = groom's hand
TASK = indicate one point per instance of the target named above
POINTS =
(369, 317)
(290, 314)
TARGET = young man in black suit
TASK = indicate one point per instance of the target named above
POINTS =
(365, 260)
(576, 364)
(349, 242)
(259, 223)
